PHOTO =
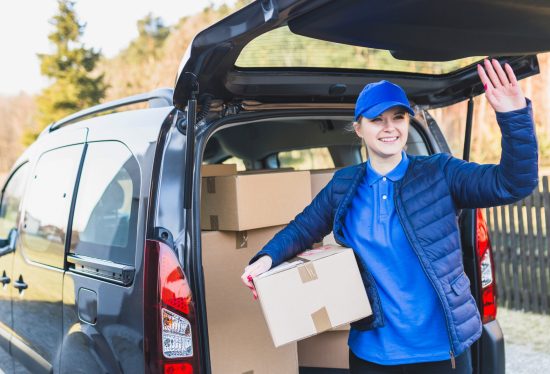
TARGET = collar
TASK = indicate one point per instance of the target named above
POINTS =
(394, 175)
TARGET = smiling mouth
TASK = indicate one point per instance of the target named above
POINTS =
(389, 139)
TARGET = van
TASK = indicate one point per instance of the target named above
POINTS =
(104, 262)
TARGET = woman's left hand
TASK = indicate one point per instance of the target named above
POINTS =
(501, 88)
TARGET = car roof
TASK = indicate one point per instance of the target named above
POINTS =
(137, 129)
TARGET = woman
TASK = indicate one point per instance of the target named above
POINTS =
(399, 214)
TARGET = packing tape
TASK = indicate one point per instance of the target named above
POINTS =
(211, 185)
(321, 320)
(307, 272)
(241, 239)
(295, 259)
(214, 224)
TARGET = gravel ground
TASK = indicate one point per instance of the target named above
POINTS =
(527, 341)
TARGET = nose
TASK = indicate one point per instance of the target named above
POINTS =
(389, 124)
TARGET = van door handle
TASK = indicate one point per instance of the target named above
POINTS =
(5, 279)
(20, 284)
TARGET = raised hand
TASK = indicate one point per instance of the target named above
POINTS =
(501, 89)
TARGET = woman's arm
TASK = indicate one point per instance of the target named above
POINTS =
(516, 175)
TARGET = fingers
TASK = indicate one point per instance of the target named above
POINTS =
(492, 74)
(500, 73)
(247, 277)
(484, 78)
(247, 280)
(511, 75)
(258, 267)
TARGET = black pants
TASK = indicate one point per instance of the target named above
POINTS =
(463, 366)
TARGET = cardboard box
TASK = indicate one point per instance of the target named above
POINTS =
(218, 170)
(326, 350)
(319, 179)
(249, 201)
(238, 335)
(319, 290)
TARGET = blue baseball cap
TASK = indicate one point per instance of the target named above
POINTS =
(378, 97)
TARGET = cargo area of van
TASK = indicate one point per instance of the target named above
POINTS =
(255, 178)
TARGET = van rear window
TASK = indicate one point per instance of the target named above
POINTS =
(306, 159)
(280, 48)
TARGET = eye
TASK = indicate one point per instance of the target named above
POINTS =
(377, 119)
(399, 116)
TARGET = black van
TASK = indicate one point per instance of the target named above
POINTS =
(100, 250)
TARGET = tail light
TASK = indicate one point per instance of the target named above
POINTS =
(171, 338)
(486, 270)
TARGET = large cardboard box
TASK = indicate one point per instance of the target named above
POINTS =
(326, 350)
(248, 201)
(318, 290)
(239, 338)
(319, 179)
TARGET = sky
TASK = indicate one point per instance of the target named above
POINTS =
(110, 26)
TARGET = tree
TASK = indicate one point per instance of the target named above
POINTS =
(70, 67)
(148, 45)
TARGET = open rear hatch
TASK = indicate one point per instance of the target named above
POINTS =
(407, 31)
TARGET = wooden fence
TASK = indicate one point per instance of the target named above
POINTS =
(520, 238)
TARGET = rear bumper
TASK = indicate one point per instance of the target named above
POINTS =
(492, 357)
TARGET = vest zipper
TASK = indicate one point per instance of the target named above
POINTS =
(397, 191)
(453, 363)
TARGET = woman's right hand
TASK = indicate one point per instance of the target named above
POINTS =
(501, 86)
(256, 268)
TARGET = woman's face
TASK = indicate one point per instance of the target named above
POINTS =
(386, 135)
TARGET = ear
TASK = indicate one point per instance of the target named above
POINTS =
(357, 128)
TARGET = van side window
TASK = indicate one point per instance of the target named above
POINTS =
(306, 159)
(11, 198)
(48, 204)
(105, 217)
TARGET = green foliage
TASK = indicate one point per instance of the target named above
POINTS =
(70, 67)
(148, 45)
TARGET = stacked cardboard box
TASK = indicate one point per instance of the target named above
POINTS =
(250, 208)
(245, 201)
(326, 350)
(239, 338)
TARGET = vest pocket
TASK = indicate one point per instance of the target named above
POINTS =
(460, 284)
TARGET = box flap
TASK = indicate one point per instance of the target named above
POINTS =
(218, 170)
(304, 257)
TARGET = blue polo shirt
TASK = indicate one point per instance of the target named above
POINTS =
(415, 329)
